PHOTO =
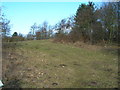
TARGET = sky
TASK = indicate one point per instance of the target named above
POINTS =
(59, 0)
(23, 15)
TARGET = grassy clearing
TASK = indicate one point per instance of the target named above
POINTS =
(54, 65)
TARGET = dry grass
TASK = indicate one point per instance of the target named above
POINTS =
(43, 64)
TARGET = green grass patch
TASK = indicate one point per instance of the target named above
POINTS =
(55, 65)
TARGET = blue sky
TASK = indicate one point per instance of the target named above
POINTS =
(24, 14)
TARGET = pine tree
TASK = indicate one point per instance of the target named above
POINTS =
(84, 21)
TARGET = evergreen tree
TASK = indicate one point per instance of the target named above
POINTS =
(15, 34)
(84, 20)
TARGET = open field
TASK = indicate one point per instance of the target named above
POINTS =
(44, 64)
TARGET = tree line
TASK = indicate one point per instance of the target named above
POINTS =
(94, 25)
(90, 24)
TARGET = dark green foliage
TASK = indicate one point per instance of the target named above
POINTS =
(84, 22)
(15, 34)
(17, 37)
(96, 25)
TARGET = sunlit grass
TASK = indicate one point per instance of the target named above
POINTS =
(64, 66)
